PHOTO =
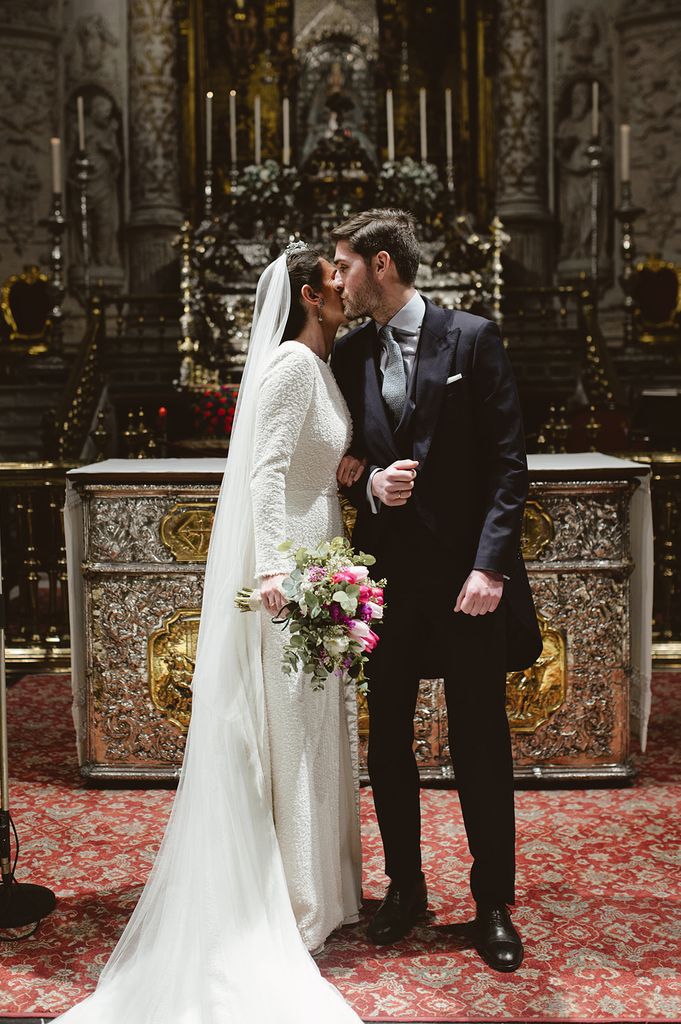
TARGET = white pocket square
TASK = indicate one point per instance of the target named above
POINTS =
(457, 376)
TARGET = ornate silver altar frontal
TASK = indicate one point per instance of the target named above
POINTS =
(144, 550)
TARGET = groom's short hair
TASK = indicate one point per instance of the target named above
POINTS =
(381, 230)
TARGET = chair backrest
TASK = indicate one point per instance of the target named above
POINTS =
(657, 293)
(26, 305)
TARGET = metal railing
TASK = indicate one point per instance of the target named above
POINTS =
(34, 566)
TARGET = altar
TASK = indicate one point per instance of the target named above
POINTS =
(137, 538)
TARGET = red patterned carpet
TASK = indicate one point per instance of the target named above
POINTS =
(599, 888)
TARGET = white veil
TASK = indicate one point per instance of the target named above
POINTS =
(213, 939)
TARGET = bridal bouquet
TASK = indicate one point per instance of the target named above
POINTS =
(331, 603)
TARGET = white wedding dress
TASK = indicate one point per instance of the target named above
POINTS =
(214, 937)
(303, 429)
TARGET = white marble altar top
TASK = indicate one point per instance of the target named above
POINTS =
(583, 463)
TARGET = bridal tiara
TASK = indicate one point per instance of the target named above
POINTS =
(298, 246)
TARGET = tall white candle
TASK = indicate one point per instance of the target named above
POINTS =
(423, 122)
(390, 122)
(449, 142)
(257, 129)
(286, 117)
(232, 127)
(625, 152)
(209, 128)
(80, 107)
(55, 145)
(594, 109)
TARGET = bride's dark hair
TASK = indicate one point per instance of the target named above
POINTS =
(304, 267)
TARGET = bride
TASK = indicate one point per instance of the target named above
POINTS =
(261, 857)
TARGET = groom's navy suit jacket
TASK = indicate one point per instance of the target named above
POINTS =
(467, 437)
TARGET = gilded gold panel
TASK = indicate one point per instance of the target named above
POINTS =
(534, 694)
(171, 657)
(185, 531)
(538, 530)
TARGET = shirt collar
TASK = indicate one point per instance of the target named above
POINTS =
(410, 317)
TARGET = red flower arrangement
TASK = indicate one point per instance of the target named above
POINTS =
(214, 411)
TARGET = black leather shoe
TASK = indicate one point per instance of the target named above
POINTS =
(398, 912)
(495, 938)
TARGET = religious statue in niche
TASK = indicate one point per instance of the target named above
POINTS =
(336, 99)
(103, 147)
(574, 176)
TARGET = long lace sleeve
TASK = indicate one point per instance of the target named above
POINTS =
(285, 397)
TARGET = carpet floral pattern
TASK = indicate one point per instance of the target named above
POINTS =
(599, 888)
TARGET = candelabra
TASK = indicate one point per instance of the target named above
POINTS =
(595, 154)
(626, 214)
(500, 240)
(56, 223)
(82, 176)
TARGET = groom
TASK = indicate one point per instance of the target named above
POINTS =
(440, 505)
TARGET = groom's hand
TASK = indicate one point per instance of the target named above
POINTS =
(480, 593)
(393, 486)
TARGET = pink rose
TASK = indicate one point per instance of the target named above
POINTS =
(370, 641)
(353, 574)
(366, 593)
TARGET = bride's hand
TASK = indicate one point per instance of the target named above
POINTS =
(273, 597)
(350, 470)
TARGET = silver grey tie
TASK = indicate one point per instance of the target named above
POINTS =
(394, 387)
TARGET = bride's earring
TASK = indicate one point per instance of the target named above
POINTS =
(319, 314)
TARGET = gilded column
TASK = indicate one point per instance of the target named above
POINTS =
(522, 164)
(155, 213)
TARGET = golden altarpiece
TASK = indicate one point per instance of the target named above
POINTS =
(138, 537)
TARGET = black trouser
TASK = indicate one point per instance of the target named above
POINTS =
(419, 622)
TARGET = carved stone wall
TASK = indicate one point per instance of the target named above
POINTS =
(649, 40)
(154, 142)
(522, 140)
(30, 35)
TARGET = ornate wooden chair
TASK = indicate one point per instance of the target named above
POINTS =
(656, 288)
(26, 306)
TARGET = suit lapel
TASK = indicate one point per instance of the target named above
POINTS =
(437, 346)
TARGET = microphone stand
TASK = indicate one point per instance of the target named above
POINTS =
(21, 904)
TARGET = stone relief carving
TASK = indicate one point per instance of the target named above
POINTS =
(19, 192)
(583, 41)
(95, 42)
(27, 82)
(28, 13)
(153, 104)
(521, 140)
(651, 74)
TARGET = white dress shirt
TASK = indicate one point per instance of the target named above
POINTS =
(408, 319)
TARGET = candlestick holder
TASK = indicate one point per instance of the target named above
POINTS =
(56, 223)
(82, 176)
(595, 154)
(626, 214)
(208, 192)
(449, 178)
